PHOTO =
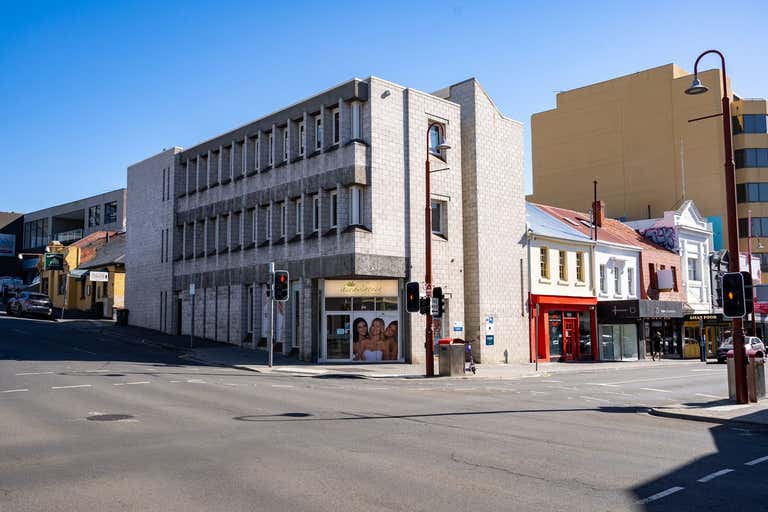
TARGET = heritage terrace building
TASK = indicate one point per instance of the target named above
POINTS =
(332, 189)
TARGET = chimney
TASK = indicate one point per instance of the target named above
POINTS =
(598, 209)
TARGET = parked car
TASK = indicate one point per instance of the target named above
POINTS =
(29, 303)
(750, 342)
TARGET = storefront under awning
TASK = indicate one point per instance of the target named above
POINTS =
(78, 273)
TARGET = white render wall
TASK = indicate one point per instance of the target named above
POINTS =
(553, 285)
(617, 258)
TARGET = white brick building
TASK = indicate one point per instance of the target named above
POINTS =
(333, 189)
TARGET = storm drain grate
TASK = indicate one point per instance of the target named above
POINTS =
(109, 417)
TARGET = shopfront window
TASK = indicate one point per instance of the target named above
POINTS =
(361, 320)
(555, 334)
(585, 336)
(618, 342)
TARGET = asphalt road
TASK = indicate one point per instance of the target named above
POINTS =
(92, 423)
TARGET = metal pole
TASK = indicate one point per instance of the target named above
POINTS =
(594, 209)
(749, 257)
(739, 358)
(429, 341)
(192, 327)
(271, 311)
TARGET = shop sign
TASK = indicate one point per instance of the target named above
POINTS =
(618, 310)
(101, 277)
(704, 317)
(660, 309)
(53, 261)
(361, 288)
(458, 329)
(489, 339)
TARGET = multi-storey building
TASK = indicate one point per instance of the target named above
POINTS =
(646, 143)
(332, 189)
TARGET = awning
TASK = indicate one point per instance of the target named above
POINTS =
(78, 273)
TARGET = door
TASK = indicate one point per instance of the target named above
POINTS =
(296, 316)
(178, 316)
(338, 345)
(570, 338)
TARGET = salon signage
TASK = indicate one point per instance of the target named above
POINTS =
(361, 288)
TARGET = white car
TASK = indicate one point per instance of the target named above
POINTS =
(750, 342)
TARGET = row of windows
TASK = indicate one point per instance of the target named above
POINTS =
(751, 157)
(562, 265)
(759, 227)
(110, 214)
(36, 233)
(752, 192)
(617, 280)
(749, 123)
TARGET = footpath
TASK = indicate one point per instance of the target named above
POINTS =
(720, 411)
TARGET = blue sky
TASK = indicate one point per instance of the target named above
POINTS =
(88, 88)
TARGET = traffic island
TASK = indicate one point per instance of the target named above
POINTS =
(722, 412)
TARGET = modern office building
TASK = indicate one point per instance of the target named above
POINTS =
(333, 189)
(635, 136)
(11, 225)
(69, 222)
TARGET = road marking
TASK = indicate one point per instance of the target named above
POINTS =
(97, 371)
(281, 385)
(657, 390)
(196, 381)
(174, 381)
(130, 383)
(708, 396)
(714, 475)
(15, 390)
(756, 461)
(617, 393)
(659, 378)
(539, 393)
(34, 373)
(551, 381)
(601, 384)
(70, 387)
(659, 495)
(594, 399)
(706, 370)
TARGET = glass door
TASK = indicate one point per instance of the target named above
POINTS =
(337, 335)
(570, 333)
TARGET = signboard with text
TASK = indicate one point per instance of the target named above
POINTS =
(53, 261)
(101, 277)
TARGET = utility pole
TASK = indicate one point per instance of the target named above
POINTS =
(271, 311)
(192, 317)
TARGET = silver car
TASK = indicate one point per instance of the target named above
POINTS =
(28, 303)
(750, 342)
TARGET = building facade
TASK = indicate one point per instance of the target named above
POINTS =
(331, 189)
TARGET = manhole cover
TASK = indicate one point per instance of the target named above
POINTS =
(109, 417)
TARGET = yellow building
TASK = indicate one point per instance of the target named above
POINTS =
(632, 134)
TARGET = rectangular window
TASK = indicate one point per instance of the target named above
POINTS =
(283, 220)
(301, 138)
(162, 245)
(299, 216)
(285, 143)
(751, 157)
(94, 215)
(336, 126)
(654, 282)
(334, 210)
(271, 148)
(693, 269)
(674, 278)
(110, 212)
(603, 279)
(315, 213)
(544, 262)
(268, 220)
(437, 218)
(257, 153)
(356, 206)
(356, 110)
(318, 132)
(749, 123)
(563, 265)
(254, 226)
(580, 267)
(631, 281)
(617, 280)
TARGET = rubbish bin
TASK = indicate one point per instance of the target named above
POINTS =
(731, 376)
(451, 358)
(122, 317)
(755, 375)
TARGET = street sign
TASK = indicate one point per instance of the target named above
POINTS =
(435, 310)
(53, 261)
(458, 329)
(489, 339)
(191, 288)
(101, 277)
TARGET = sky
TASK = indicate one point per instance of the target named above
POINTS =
(88, 88)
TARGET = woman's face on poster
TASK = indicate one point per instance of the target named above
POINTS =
(377, 326)
(362, 329)
(391, 331)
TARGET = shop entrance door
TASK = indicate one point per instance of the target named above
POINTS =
(570, 338)
(338, 336)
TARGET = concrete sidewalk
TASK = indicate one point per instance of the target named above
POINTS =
(721, 411)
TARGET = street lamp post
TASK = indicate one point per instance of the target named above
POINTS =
(429, 342)
(733, 234)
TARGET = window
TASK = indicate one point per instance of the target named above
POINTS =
(301, 138)
(94, 215)
(654, 282)
(693, 269)
(355, 205)
(751, 157)
(315, 213)
(283, 220)
(674, 278)
(299, 216)
(759, 227)
(257, 153)
(270, 157)
(254, 226)
(603, 279)
(285, 143)
(336, 126)
(580, 267)
(752, 192)
(544, 262)
(631, 281)
(356, 108)
(749, 123)
(563, 265)
(437, 218)
(617, 280)
(110, 212)
(436, 137)
(268, 220)
(318, 132)
(334, 210)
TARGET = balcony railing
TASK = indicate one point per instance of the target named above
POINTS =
(73, 235)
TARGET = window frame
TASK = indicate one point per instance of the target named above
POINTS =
(544, 270)
(271, 148)
(268, 228)
(603, 276)
(631, 281)
(315, 213)
(113, 215)
(333, 209)
(299, 212)
(336, 125)
(440, 129)
(355, 205)
(438, 207)
(301, 138)
(580, 274)
(356, 111)
(318, 132)
(617, 279)
(285, 144)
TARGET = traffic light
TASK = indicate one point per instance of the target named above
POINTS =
(437, 302)
(748, 293)
(734, 300)
(412, 297)
(281, 285)
(424, 305)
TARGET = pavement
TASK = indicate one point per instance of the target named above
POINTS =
(719, 411)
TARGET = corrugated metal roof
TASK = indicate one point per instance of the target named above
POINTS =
(544, 224)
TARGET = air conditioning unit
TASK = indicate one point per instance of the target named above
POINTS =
(665, 280)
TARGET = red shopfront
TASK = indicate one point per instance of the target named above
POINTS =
(564, 329)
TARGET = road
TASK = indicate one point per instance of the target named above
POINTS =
(92, 423)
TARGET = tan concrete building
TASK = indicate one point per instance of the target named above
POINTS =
(633, 135)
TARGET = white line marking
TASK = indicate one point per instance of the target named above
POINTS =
(130, 383)
(594, 399)
(756, 461)
(714, 475)
(196, 381)
(34, 373)
(657, 390)
(617, 393)
(601, 384)
(97, 371)
(659, 495)
(281, 386)
(706, 370)
(15, 390)
(708, 396)
(550, 381)
(70, 387)
(659, 378)
(174, 381)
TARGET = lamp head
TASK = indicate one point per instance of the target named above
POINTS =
(696, 87)
(442, 147)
